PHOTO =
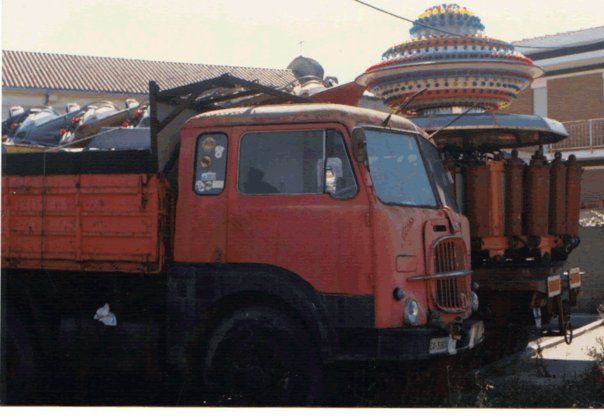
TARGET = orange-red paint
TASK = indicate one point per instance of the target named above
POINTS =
(537, 196)
(557, 201)
(96, 222)
(514, 177)
(573, 196)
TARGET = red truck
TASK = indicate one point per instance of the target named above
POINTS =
(244, 249)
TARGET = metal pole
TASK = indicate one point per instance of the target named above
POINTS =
(591, 135)
(153, 123)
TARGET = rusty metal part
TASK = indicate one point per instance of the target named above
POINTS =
(476, 179)
(496, 175)
(537, 196)
(484, 205)
(557, 202)
(565, 327)
(573, 195)
(520, 278)
(514, 173)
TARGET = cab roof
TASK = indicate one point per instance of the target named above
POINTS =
(305, 113)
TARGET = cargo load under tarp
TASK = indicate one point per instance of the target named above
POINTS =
(121, 139)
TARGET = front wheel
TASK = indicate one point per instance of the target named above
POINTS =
(261, 356)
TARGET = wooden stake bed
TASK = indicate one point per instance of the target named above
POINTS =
(87, 222)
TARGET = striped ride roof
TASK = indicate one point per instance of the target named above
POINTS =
(39, 70)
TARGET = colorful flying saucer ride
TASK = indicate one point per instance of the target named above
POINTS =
(454, 62)
(449, 66)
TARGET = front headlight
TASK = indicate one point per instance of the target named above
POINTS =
(474, 301)
(410, 312)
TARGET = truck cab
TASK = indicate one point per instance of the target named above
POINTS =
(350, 223)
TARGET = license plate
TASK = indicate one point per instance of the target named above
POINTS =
(439, 345)
(574, 278)
(554, 286)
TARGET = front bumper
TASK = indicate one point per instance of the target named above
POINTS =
(403, 344)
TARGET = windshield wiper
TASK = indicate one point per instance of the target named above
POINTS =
(455, 119)
(403, 106)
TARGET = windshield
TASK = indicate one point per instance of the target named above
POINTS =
(397, 169)
(442, 176)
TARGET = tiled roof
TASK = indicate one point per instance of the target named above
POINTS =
(117, 75)
(561, 40)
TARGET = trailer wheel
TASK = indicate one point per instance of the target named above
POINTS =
(21, 363)
(261, 356)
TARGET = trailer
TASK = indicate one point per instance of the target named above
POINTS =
(524, 219)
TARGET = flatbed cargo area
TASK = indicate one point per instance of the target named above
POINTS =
(87, 211)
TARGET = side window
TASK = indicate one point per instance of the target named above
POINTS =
(281, 162)
(210, 164)
(295, 162)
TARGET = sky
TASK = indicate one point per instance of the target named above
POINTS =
(344, 36)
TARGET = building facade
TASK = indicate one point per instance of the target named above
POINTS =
(571, 91)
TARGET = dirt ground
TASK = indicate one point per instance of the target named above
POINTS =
(548, 374)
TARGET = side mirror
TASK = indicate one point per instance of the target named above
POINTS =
(330, 181)
(335, 183)
(359, 145)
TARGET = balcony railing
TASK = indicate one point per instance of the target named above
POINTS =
(582, 135)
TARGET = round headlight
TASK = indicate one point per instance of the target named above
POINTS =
(474, 301)
(411, 312)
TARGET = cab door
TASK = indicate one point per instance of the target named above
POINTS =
(201, 212)
(296, 204)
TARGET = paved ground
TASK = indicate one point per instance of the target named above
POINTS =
(549, 361)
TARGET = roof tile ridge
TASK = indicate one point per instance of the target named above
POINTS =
(555, 34)
(149, 60)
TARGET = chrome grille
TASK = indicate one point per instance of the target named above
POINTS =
(450, 293)
(451, 283)
(449, 256)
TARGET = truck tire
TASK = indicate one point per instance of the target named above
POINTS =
(261, 356)
(21, 363)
